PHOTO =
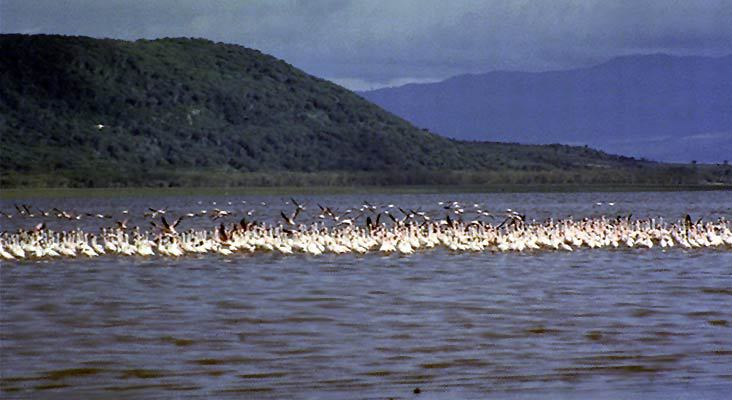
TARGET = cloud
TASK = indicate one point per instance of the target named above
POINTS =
(372, 42)
(359, 84)
(709, 136)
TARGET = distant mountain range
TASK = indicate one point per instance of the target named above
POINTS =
(661, 107)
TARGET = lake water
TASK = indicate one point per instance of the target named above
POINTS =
(588, 324)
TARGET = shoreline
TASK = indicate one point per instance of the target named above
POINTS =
(25, 193)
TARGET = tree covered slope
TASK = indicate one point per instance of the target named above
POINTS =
(77, 111)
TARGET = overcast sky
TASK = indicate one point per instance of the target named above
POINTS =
(373, 43)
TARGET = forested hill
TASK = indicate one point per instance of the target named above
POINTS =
(79, 111)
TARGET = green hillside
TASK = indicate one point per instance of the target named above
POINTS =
(77, 111)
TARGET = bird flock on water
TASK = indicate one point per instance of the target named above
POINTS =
(364, 229)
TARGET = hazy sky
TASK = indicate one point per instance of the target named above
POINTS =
(372, 43)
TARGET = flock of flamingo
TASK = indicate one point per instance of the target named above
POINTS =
(364, 229)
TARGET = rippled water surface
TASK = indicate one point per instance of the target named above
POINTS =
(588, 324)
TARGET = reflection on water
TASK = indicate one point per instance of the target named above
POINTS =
(585, 324)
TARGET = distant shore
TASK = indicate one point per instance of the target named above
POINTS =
(25, 193)
(650, 177)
